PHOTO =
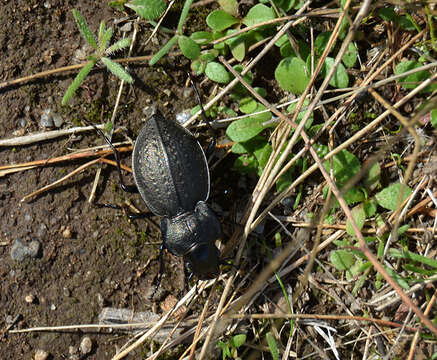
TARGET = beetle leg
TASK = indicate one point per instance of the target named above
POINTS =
(127, 188)
(211, 145)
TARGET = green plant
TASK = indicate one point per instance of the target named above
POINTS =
(230, 347)
(101, 51)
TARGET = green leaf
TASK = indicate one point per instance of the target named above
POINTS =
(147, 9)
(257, 14)
(406, 23)
(209, 56)
(340, 79)
(198, 67)
(321, 42)
(434, 118)
(262, 155)
(398, 278)
(217, 72)
(239, 90)
(163, 51)
(248, 105)
(409, 255)
(117, 70)
(101, 32)
(388, 197)
(247, 128)
(413, 80)
(286, 5)
(184, 15)
(201, 37)
(84, 29)
(359, 216)
(273, 346)
(77, 81)
(230, 6)
(220, 20)
(369, 207)
(372, 178)
(342, 259)
(249, 146)
(237, 45)
(345, 166)
(246, 164)
(350, 56)
(388, 14)
(310, 120)
(238, 340)
(189, 47)
(121, 44)
(303, 48)
(292, 75)
(106, 38)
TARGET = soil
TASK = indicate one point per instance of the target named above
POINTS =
(90, 257)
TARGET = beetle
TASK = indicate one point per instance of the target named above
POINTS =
(171, 174)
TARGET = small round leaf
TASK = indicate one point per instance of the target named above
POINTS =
(291, 75)
(217, 72)
(189, 47)
(201, 37)
(257, 14)
(220, 20)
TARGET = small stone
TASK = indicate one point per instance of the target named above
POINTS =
(46, 119)
(167, 92)
(23, 122)
(148, 111)
(57, 120)
(188, 93)
(73, 353)
(126, 27)
(53, 307)
(42, 231)
(66, 234)
(183, 116)
(41, 355)
(29, 298)
(86, 345)
(20, 250)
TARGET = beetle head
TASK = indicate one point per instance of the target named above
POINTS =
(204, 260)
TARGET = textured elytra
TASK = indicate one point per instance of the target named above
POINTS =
(170, 168)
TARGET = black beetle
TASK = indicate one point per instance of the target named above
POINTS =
(171, 173)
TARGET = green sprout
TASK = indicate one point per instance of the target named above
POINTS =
(101, 51)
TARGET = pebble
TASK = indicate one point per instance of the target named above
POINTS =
(86, 345)
(20, 250)
(42, 231)
(73, 353)
(46, 119)
(50, 119)
(183, 116)
(29, 298)
(41, 355)
(66, 234)
(126, 27)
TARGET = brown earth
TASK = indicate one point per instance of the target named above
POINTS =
(90, 257)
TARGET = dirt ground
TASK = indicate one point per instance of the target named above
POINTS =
(90, 257)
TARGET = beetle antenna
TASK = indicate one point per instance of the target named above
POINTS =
(127, 188)
(213, 142)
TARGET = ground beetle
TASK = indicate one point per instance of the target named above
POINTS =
(172, 175)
